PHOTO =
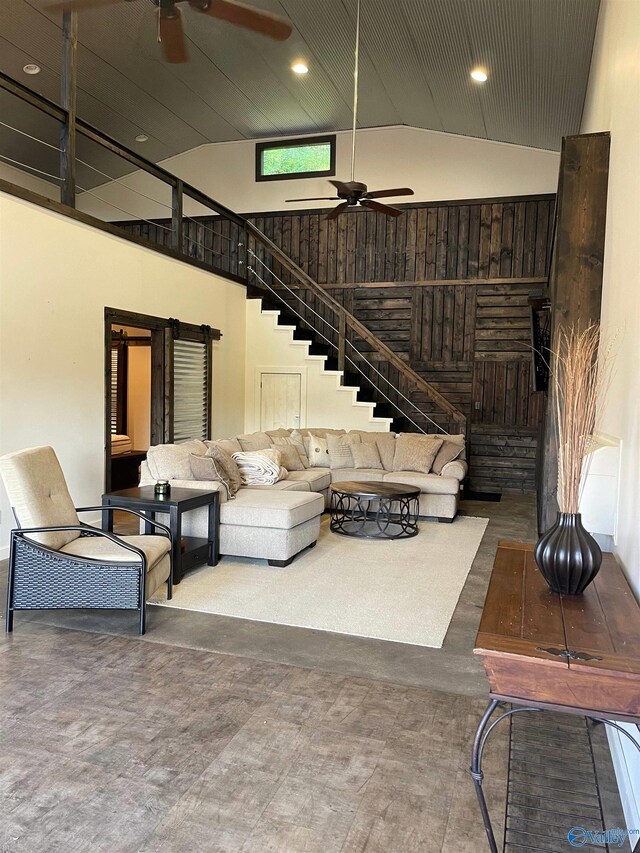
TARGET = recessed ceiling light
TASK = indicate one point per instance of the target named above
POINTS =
(31, 68)
(142, 137)
(479, 75)
(299, 68)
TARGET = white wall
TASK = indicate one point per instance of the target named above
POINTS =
(327, 403)
(613, 103)
(437, 166)
(56, 277)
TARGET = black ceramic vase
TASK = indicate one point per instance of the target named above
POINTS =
(567, 555)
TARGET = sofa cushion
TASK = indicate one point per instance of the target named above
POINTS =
(228, 445)
(430, 484)
(217, 466)
(101, 548)
(281, 432)
(38, 492)
(366, 475)
(321, 431)
(339, 447)
(171, 461)
(384, 441)
(451, 449)
(254, 441)
(317, 478)
(415, 452)
(317, 451)
(282, 510)
(285, 485)
(366, 455)
(294, 456)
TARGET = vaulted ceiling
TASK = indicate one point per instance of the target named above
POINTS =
(415, 61)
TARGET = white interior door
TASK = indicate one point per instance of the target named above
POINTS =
(280, 400)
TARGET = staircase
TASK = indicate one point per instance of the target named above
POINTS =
(397, 393)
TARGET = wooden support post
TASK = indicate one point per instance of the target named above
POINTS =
(575, 283)
(176, 216)
(69, 89)
(342, 340)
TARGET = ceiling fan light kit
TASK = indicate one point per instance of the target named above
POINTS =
(354, 193)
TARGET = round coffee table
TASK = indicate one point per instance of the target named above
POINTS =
(374, 510)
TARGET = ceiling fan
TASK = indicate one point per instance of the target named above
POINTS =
(170, 30)
(353, 192)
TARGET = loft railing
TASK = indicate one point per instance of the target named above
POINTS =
(210, 236)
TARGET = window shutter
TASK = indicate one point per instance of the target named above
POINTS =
(190, 391)
(115, 353)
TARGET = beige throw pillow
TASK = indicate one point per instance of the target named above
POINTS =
(290, 458)
(415, 453)
(207, 469)
(339, 447)
(226, 463)
(317, 451)
(366, 455)
(384, 441)
(295, 443)
(254, 441)
(229, 445)
(449, 451)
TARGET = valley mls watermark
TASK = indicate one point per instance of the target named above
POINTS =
(578, 836)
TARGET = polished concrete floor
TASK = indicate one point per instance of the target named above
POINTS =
(216, 734)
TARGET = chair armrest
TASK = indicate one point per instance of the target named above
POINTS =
(458, 469)
(164, 527)
(81, 528)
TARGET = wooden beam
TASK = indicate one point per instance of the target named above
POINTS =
(68, 95)
(437, 282)
(176, 216)
(575, 283)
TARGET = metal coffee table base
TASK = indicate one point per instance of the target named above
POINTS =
(378, 517)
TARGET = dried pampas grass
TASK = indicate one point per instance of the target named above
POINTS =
(581, 375)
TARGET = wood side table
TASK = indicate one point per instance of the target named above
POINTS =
(196, 550)
(541, 651)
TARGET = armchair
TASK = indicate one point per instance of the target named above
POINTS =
(58, 562)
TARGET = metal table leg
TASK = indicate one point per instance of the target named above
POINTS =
(483, 732)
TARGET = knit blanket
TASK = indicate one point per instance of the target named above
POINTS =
(260, 468)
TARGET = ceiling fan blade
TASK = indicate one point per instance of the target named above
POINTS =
(242, 15)
(389, 193)
(335, 213)
(174, 45)
(381, 208)
(78, 5)
(324, 198)
(342, 187)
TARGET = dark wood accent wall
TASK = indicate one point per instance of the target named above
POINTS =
(575, 285)
(446, 286)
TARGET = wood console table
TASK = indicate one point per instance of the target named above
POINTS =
(541, 650)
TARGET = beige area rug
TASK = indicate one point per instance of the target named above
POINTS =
(404, 590)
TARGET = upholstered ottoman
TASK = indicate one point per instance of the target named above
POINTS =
(270, 525)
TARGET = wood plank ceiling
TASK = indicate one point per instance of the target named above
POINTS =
(415, 63)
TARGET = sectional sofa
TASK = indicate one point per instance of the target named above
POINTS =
(276, 522)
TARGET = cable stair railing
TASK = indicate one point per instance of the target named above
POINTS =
(337, 328)
(224, 243)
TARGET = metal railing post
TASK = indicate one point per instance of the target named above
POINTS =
(342, 340)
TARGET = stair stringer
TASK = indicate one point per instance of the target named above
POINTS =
(329, 403)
